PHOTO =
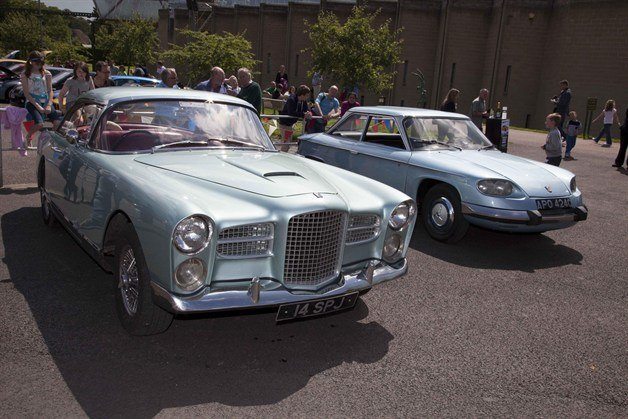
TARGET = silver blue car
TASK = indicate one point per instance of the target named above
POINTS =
(455, 174)
(182, 196)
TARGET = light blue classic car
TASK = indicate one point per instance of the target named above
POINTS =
(184, 198)
(456, 176)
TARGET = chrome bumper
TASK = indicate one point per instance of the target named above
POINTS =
(255, 296)
(527, 217)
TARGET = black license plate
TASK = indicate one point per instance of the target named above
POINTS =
(316, 307)
(553, 203)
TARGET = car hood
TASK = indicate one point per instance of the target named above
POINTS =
(531, 176)
(270, 174)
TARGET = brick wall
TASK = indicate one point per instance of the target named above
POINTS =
(520, 48)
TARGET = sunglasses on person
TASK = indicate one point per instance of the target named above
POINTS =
(36, 60)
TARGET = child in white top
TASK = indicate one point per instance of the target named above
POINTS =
(610, 115)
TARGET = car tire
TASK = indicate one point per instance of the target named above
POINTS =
(136, 310)
(441, 213)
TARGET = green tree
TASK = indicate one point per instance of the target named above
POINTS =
(204, 50)
(64, 51)
(20, 30)
(356, 53)
(128, 42)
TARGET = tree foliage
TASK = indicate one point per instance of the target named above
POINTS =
(21, 31)
(65, 51)
(356, 53)
(204, 50)
(128, 42)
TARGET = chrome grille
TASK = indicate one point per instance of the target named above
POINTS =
(246, 241)
(363, 228)
(313, 248)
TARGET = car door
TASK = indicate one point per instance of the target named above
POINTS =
(335, 146)
(382, 153)
(75, 168)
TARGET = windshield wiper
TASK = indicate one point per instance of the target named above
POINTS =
(438, 142)
(178, 143)
(487, 147)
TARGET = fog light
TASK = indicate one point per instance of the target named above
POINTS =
(190, 274)
(392, 247)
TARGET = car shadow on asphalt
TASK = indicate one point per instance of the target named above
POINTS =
(240, 360)
(487, 249)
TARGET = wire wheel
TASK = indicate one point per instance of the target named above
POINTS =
(128, 281)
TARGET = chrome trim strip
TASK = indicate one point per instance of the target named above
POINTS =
(495, 214)
(239, 299)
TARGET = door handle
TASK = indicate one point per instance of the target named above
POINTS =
(57, 149)
(353, 152)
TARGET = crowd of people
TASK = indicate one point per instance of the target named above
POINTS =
(562, 124)
(310, 104)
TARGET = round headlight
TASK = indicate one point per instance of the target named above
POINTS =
(572, 184)
(192, 234)
(495, 187)
(190, 274)
(401, 215)
(392, 246)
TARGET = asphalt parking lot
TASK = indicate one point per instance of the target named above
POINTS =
(499, 324)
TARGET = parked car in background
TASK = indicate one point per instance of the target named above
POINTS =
(59, 76)
(182, 195)
(134, 81)
(455, 174)
(14, 65)
(9, 80)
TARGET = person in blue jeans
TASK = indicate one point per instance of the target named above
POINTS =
(37, 85)
(574, 127)
(610, 115)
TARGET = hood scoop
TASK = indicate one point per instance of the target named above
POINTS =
(273, 174)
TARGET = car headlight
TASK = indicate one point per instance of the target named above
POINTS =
(496, 187)
(402, 215)
(572, 184)
(392, 248)
(192, 234)
(190, 274)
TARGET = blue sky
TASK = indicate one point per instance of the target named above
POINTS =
(73, 5)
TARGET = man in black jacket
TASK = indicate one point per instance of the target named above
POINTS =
(296, 107)
(562, 104)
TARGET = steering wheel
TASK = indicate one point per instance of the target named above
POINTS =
(137, 140)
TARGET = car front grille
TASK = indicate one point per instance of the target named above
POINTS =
(363, 228)
(313, 248)
(246, 241)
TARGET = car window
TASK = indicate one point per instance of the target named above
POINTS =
(442, 132)
(383, 130)
(167, 124)
(351, 128)
(81, 120)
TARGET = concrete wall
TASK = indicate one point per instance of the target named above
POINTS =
(536, 42)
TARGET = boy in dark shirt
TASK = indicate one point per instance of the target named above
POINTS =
(574, 127)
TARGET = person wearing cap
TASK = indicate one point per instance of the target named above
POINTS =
(37, 84)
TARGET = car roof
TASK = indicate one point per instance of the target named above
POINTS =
(403, 112)
(112, 95)
(134, 78)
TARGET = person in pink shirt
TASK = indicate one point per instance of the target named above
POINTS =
(351, 102)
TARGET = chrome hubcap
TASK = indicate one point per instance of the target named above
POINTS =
(128, 281)
(442, 212)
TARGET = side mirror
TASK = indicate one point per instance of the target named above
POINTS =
(72, 136)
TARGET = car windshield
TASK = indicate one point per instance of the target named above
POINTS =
(160, 125)
(438, 133)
